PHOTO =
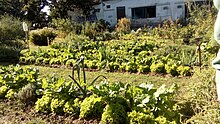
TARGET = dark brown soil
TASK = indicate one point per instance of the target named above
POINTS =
(12, 112)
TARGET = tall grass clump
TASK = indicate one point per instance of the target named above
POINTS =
(200, 98)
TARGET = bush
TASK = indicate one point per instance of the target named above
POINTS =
(10, 33)
(123, 26)
(42, 37)
(65, 26)
(10, 29)
(27, 94)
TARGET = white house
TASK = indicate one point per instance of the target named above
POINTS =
(141, 11)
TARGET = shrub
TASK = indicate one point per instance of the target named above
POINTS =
(63, 25)
(27, 94)
(42, 37)
(123, 26)
(10, 34)
(114, 114)
(10, 29)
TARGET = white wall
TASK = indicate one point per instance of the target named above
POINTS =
(174, 9)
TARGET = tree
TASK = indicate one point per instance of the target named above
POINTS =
(25, 9)
(59, 8)
(33, 13)
(11, 7)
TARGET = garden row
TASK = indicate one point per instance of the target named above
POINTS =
(124, 55)
(109, 103)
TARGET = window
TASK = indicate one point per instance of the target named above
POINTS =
(179, 6)
(143, 12)
(108, 6)
(165, 8)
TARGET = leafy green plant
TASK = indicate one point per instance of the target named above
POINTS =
(141, 118)
(17, 80)
(114, 114)
(57, 106)
(157, 67)
(184, 70)
(72, 107)
(43, 104)
(3, 91)
(91, 107)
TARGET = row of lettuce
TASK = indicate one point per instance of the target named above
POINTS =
(110, 103)
(117, 55)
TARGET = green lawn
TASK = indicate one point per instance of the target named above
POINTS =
(131, 78)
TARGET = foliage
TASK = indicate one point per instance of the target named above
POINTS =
(59, 9)
(10, 34)
(123, 26)
(27, 94)
(184, 70)
(91, 107)
(114, 114)
(108, 102)
(57, 106)
(42, 37)
(25, 9)
(126, 55)
(10, 28)
(72, 107)
(43, 104)
(140, 118)
(157, 67)
(15, 80)
(3, 91)
(65, 26)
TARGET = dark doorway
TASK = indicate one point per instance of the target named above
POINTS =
(120, 12)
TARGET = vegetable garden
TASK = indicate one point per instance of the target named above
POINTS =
(169, 51)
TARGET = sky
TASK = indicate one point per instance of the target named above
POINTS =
(46, 9)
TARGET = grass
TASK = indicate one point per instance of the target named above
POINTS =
(131, 78)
